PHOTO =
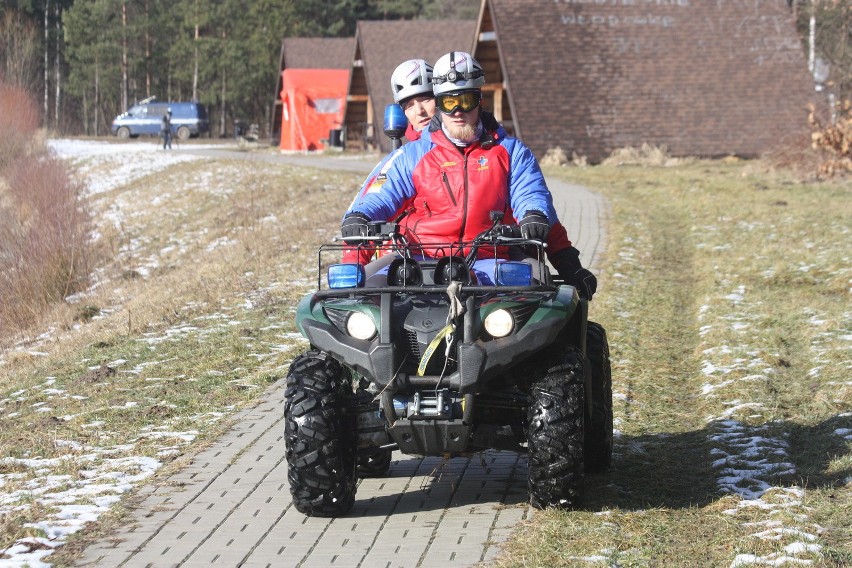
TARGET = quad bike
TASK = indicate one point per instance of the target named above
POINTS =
(446, 350)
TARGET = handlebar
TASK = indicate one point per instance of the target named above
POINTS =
(377, 232)
(498, 233)
(380, 232)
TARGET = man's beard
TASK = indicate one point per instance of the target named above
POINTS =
(464, 132)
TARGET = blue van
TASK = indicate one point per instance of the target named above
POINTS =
(188, 119)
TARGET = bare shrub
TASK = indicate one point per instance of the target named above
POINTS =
(44, 225)
(19, 124)
(833, 141)
(554, 157)
(558, 157)
(44, 234)
(646, 155)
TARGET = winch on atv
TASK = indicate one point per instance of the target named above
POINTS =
(445, 350)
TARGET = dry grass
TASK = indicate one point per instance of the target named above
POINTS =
(190, 317)
(192, 241)
(710, 263)
(726, 303)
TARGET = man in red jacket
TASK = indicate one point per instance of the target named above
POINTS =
(462, 123)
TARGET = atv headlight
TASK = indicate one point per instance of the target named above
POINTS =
(499, 323)
(360, 326)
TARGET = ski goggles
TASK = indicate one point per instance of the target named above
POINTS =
(465, 102)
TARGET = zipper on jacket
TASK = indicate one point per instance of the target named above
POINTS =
(464, 196)
(447, 186)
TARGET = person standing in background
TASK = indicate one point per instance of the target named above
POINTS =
(166, 129)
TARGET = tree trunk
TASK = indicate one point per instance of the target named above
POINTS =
(57, 71)
(147, 50)
(97, 97)
(268, 116)
(85, 113)
(124, 55)
(224, 92)
(46, 66)
(195, 69)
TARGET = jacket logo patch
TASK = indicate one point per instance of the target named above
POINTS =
(376, 186)
(483, 163)
(448, 164)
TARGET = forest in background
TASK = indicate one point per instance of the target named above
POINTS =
(89, 60)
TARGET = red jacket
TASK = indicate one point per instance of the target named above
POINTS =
(455, 190)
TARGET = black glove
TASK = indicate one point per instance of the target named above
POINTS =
(567, 264)
(584, 281)
(354, 225)
(535, 226)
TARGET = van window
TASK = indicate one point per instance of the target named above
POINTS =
(157, 110)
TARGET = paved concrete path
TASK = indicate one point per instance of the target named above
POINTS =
(231, 506)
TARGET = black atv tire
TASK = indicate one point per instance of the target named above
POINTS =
(319, 436)
(374, 465)
(555, 425)
(598, 446)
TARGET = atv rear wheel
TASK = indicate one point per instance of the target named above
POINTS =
(319, 436)
(555, 434)
(598, 447)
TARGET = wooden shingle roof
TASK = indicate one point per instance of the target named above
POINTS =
(383, 45)
(699, 77)
(317, 53)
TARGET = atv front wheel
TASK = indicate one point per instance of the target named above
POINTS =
(555, 434)
(598, 446)
(319, 436)
(370, 432)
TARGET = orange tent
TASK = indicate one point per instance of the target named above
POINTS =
(314, 101)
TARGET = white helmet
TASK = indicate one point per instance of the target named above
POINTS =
(457, 71)
(411, 78)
